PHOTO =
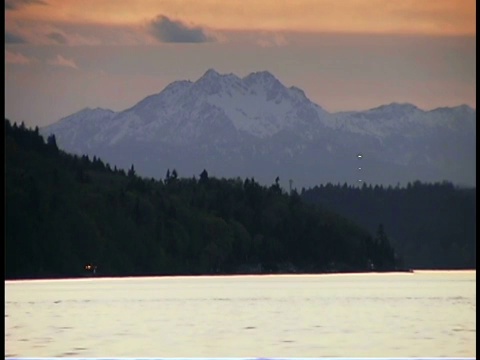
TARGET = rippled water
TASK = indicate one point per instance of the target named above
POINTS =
(424, 314)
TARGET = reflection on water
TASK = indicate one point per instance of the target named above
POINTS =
(425, 314)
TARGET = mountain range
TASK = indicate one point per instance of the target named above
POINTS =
(256, 127)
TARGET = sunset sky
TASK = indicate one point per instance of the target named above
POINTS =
(64, 55)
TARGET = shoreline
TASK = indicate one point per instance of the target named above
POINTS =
(100, 276)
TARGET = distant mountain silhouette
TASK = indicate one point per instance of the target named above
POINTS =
(257, 127)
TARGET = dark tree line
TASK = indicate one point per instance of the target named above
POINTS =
(64, 212)
(432, 226)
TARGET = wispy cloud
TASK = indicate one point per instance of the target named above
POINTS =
(57, 37)
(17, 4)
(11, 38)
(75, 34)
(40, 33)
(83, 35)
(16, 58)
(61, 61)
(267, 39)
(174, 31)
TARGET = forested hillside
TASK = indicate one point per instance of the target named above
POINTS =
(65, 212)
(432, 226)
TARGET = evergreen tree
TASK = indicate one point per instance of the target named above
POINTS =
(131, 172)
(204, 176)
(51, 142)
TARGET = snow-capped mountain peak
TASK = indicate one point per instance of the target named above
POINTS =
(397, 108)
(260, 76)
(212, 73)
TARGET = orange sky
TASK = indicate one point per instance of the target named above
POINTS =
(432, 17)
(77, 53)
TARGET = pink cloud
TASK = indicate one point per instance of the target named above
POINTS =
(61, 61)
(16, 58)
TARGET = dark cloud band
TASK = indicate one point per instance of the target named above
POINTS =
(172, 31)
(57, 37)
(16, 4)
(13, 39)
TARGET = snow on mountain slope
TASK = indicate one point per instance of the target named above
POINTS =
(79, 131)
(259, 104)
(407, 119)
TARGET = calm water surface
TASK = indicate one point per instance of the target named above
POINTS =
(424, 314)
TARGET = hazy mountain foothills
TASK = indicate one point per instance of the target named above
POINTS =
(256, 127)
(431, 226)
(64, 212)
